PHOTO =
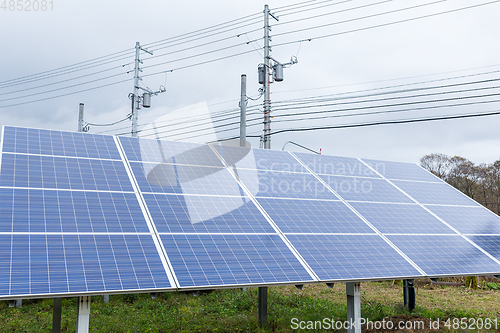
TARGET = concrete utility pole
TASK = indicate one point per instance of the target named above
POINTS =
(267, 90)
(262, 305)
(80, 118)
(136, 99)
(243, 111)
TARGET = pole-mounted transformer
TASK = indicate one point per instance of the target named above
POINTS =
(146, 100)
(278, 72)
(262, 73)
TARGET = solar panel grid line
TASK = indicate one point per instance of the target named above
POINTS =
(61, 156)
(486, 235)
(302, 199)
(416, 181)
(385, 202)
(63, 190)
(75, 233)
(218, 233)
(268, 218)
(440, 219)
(392, 245)
(332, 233)
(196, 195)
(149, 220)
(448, 205)
(2, 143)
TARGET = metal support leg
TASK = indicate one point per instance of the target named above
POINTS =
(12, 303)
(105, 298)
(154, 295)
(409, 294)
(83, 314)
(19, 302)
(56, 315)
(353, 291)
(263, 305)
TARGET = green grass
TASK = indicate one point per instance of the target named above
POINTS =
(226, 310)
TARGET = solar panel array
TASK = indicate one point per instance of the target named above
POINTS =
(90, 214)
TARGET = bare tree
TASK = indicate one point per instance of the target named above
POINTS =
(436, 163)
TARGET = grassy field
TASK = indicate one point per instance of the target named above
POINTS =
(232, 310)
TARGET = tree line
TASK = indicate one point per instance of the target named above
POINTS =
(481, 182)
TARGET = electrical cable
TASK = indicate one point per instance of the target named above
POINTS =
(300, 5)
(401, 121)
(402, 78)
(183, 42)
(382, 25)
(58, 82)
(225, 24)
(299, 105)
(294, 101)
(55, 74)
(71, 93)
(331, 13)
(111, 124)
(384, 112)
(66, 87)
(358, 18)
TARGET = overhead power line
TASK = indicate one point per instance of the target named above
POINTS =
(305, 4)
(387, 122)
(71, 93)
(331, 13)
(85, 63)
(381, 25)
(376, 123)
(359, 18)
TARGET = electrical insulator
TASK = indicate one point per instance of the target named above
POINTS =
(146, 100)
(278, 72)
(262, 73)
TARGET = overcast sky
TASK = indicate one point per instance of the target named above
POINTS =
(455, 48)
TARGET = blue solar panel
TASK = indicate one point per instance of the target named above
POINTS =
(216, 260)
(365, 189)
(402, 171)
(313, 216)
(75, 219)
(401, 218)
(445, 255)
(490, 244)
(435, 193)
(30, 210)
(38, 171)
(146, 150)
(188, 179)
(347, 257)
(59, 264)
(192, 213)
(285, 185)
(57, 143)
(469, 220)
(337, 166)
